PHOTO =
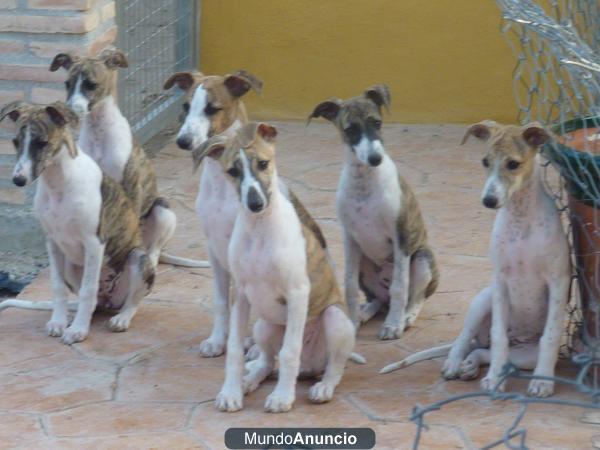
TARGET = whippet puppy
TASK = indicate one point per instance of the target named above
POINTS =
(106, 136)
(385, 240)
(520, 316)
(213, 106)
(91, 226)
(281, 268)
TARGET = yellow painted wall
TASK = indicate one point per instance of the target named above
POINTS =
(444, 60)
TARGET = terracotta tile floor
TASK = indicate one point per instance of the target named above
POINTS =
(148, 388)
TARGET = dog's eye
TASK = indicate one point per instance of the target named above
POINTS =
(89, 85)
(262, 165)
(512, 164)
(485, 162)
(234, 172)
(186, 107)
(211, 110)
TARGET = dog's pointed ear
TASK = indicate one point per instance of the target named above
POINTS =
(64, 60)
(61, 114)
(71, 145)
(113, 58)
(240, 82)
(212, 147)
(328, 110)
(14, 110)
(183, 80)
(380, 95)
(267, 132)
(535, 135)
(481, 130)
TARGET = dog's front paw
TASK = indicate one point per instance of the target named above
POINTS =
(278, 402)
(74, 334)
(56, 328)
(253, 353)
(469, 368)
(540, 388)
(491, 384)
(321, 392)
(451, 368)
(211, 347)
(119, 323)
(389, 332)
(229, 400)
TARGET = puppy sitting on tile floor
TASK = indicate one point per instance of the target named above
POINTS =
(91, 227)
(281, 269)
(385, 240)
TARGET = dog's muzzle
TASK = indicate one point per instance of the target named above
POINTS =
(184, 142)
(374, 159)
(20, 180)
(254, 201)
(490, 202)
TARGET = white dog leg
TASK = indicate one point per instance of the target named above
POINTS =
(420, 277)
(499, 337)
(558, 294)
(268, 338)
(352, 256)
(88, 293)
(339, 335)
(60, 292)
(230, 398)
(158, 228)
(393, 326)
(215, 344)
(479, 309)
(523, 356)
(134, 276)
(284, 394)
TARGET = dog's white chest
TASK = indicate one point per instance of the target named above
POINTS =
(217, 207)
(265, 260)
(368, 205)
(106, 137)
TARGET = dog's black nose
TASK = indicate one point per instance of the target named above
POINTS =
(490, 202)
(255, 202)
(20, 180)
(184, 142)
(374, 159)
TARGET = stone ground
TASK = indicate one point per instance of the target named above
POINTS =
(148, 388)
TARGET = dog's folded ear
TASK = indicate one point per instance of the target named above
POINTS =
(266, 132)
(481, 130)
(535, 135)
(328, 110)
(14, 110)
(380, 95)
(61, 114)
(240, 82)
(65, 60)
(113, 58)
(183, 80)
(212, 147)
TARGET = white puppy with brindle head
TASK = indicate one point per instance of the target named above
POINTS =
(385, 240)
(520, 316)
(281, 268)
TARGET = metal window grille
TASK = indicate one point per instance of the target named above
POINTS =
(159, 38)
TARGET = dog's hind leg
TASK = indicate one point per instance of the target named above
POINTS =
(523, 356)
(158, 227)
(268, 338)
(421, 274)
(215, 344)
(339, 335)
(479, 309)
(140, 278)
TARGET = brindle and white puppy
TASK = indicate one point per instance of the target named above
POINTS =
(385, 240)
(106, 136)
(213, 106)
(90, 223)
(520, 316)
(282, 269)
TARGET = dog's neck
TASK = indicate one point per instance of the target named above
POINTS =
(526, 200)
(59, 170)
(105, 111)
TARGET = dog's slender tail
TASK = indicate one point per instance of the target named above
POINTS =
(33, 305)
(358, 358)
(430, 353)
(166, 258)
